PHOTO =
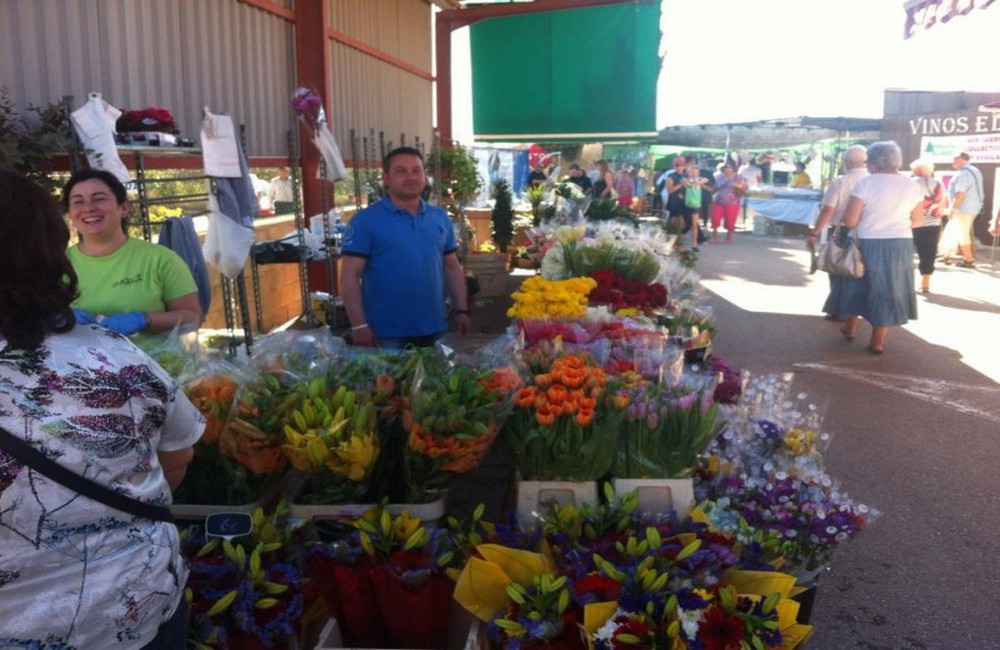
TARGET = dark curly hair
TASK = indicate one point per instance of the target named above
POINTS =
(38, 282)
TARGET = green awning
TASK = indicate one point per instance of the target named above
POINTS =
(574, 75)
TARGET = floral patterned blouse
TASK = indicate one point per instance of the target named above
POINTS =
(75, 573)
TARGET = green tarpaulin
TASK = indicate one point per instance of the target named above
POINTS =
(573, 75)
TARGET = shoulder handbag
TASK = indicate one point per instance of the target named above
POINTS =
(36, 460)
(841, 256)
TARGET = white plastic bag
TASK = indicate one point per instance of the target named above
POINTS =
(227, 243)
(95, 127)
(327, 145)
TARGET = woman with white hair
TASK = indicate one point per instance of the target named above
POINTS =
(884, 208)
(926, 235)
(835, 201)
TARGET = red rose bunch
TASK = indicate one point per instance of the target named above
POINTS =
(622, 293)
(147, 119)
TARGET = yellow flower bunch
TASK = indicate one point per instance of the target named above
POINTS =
(334, 432)
(801, 442)
(541, 298)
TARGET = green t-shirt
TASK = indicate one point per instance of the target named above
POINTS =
(139, 276)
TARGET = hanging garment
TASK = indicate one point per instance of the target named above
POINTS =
(232, 200)
(178, 235)
(94, 123)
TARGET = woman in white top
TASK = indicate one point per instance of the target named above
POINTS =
(884, 208)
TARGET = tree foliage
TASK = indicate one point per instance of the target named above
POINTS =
(29, 137)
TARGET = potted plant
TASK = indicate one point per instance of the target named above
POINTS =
(535, 194)
(502, 216)
(522, 259)
(456, 182)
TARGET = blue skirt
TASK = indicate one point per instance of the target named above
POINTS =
(885, 296)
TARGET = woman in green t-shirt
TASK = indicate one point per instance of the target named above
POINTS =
(127, 285)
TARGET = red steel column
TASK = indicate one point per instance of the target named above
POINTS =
(312, 65)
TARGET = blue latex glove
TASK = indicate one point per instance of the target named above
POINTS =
(84, 317)
(128, 323)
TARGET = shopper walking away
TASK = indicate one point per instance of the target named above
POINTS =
(884, 208)
(835, 201)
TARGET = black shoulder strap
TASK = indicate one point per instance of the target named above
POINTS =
(28, 455)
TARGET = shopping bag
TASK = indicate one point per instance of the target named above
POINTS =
(841, 256)
(227, 243)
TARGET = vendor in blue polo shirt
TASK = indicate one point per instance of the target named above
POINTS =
(399, 261)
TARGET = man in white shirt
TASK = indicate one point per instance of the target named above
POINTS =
(965, 201)
(751, 173)
(282, 192)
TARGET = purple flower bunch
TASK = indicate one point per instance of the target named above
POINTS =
(308, 106)
(763, 480)
(799, 521)
(730, 386)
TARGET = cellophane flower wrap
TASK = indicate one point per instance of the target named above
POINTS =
(179, 354)
(255, 434)
(451, 417)
(666, 429)
(537, 245)
(240, 460)
(565, 420)
(621, 293)
(518, 595)
(246, 593)
(763, 480)
(213, 393)
(331, 436)
(631, 252)
(378, 377)
(308, 107)
(642, 579)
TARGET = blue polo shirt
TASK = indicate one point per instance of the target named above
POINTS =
(403, 286)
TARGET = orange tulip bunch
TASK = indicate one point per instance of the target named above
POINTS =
(564, 422)
(569, 388)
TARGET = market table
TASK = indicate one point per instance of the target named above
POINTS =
(784, 204)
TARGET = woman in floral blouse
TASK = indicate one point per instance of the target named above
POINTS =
(75, 573)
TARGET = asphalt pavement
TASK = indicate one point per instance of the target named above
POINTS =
(914, 435)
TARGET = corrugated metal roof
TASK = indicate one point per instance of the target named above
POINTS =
(175, 54)
(781, 132)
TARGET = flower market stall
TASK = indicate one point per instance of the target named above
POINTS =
(662, 499)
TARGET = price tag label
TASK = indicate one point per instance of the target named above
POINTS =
(228, 525)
